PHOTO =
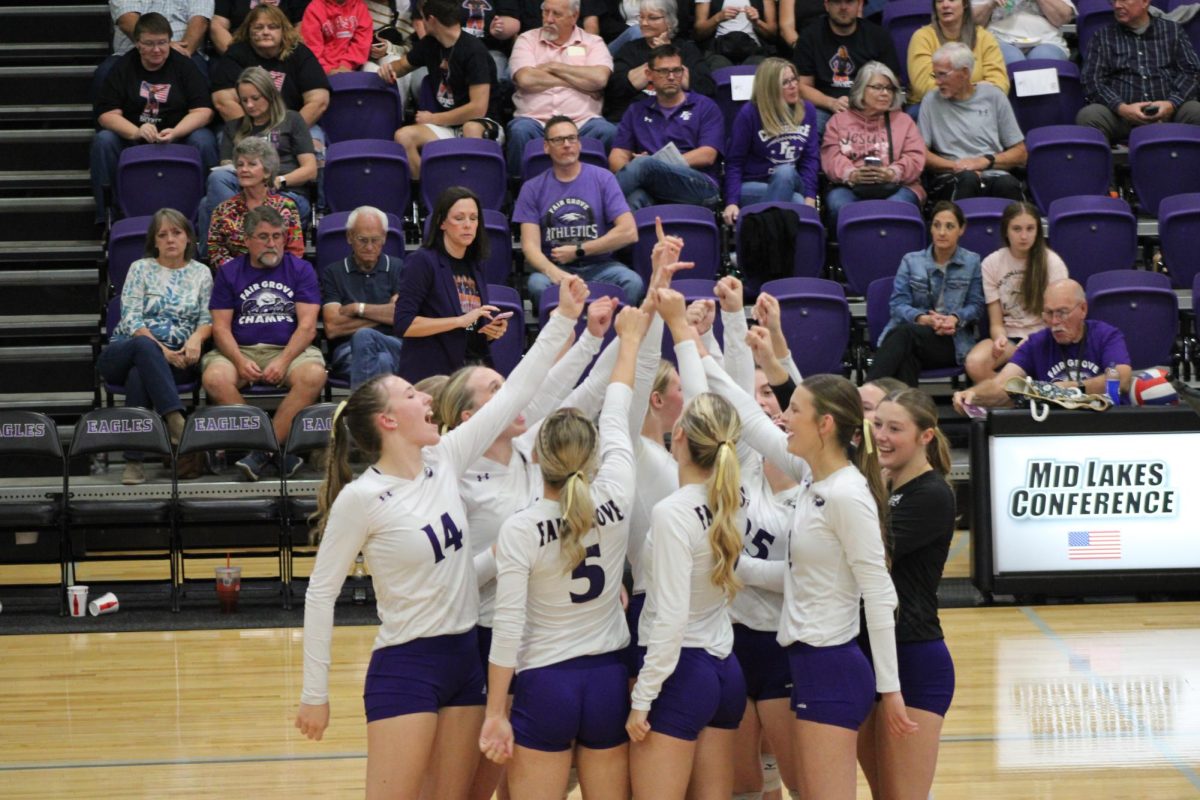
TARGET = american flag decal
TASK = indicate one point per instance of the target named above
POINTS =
(155, 91)
(1093, 545)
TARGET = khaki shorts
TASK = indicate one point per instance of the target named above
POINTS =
(263, 354)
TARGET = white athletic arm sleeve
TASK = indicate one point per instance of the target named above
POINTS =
(485, 567)
(764, 574)
(792, 370)
(617, 475)
(345, 533)
(691, 370)
(709, 339)
(739, 361)
(562, 378)
(649, 354)
(516, 551)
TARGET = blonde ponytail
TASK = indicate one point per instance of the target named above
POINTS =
(566, 453)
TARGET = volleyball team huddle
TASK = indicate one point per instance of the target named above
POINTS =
(498, 517)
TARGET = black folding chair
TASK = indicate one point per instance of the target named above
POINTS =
(310, 431)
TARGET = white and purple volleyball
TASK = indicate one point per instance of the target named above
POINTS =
(1153, 388)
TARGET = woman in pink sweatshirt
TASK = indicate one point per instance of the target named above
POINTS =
(339, 32)
(872, 150)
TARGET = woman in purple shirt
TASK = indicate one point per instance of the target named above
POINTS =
(774, 151)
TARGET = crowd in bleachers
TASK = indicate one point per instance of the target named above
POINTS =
(574, 127)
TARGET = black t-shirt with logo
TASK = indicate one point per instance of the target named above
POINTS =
(299, 73)
(456, 69)
(236, 11)
(833, 60)
(161, 97)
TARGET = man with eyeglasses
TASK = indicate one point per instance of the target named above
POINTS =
(559, 70)
(1072, 352)
(1138, 70)
(573, 217)
(972, 139)
(689, 122)
(154, 95)
(264, 309)
(829, 52)
(359, 301)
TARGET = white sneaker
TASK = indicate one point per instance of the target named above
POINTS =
(133, 474)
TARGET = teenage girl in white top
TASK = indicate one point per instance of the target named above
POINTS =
(405, 514)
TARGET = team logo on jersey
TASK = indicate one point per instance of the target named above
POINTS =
(155, 94)
(383, 498)
(785, 148)
(818, 501)
(570, 220)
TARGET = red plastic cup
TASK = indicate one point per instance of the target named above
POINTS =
(229, 586)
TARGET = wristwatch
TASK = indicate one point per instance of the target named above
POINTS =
(579, 251)
(991, 159)
(282, 183)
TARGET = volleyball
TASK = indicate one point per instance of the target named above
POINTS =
(1153, 388)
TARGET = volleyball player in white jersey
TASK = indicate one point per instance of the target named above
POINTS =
(424, 687)
(836, 557)
(689, 695)
(558, 620)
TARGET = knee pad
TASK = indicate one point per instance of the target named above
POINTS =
(770, 771)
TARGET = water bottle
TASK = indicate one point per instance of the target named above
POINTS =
(360, 588)
(1113, 384)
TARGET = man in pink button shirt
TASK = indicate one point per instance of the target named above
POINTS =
(558, 68)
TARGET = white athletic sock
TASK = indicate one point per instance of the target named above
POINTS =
(770, 772)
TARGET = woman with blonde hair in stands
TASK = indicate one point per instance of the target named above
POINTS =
(424, 690)
(951, 21)
(1014, 279)
(558, 620)
(690, 695)
(836, 557)
(916, 457)
(774, 152)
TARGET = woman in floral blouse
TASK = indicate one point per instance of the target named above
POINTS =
(257, 164)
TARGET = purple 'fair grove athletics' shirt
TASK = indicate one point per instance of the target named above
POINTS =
(571, 213)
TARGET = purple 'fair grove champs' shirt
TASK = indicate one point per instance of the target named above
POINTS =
(571, 213)
(1044, 359)
(263, 301)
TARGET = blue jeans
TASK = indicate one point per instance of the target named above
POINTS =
(139, 365)
(223, 185)
(604, 271)
(369, 352)
(782, 187)
(106, 152)
(523, 130)
(840, 196)
(1013, 54)
(646, 181)
(630, 34)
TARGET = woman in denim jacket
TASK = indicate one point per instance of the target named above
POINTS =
(936, 300)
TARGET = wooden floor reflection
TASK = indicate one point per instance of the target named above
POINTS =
(1053, 703)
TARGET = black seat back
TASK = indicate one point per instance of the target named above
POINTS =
(233, 427)
(105, 430)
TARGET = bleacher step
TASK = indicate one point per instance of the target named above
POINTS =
(39, 114)
(65, 23)
(55, 179)
(49, 325)
(54, 53)
(51, 148)
(49, 217)
(32, 84)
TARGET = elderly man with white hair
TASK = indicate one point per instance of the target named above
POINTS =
(559, 70)
(971, 135)
(358, 301)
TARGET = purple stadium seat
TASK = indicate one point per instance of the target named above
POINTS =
(1093, 234)
(1066, 161)
(724, 97)
(126, 244)
(695, 224)
(361, 106)
(1144, 307)
(1090, 16)
(508, 349)
(1178, 235)
(879, 295)
(1165, 160)
(477, 164)
(816, 322)
(536, 161)
(154, 176)
(902, 18)
(367, 172)
(983, 214)
(111, 317)
(873, 236)
(1047, 109)
(810, 238)
(331, 241)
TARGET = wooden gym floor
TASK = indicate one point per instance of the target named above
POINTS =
(1064, 702)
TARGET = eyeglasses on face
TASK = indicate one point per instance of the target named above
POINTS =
(369, 241)
(1058, 314)
(674, 72)
(559, 141)
(881, 87)
(268, 237)
(159, 44)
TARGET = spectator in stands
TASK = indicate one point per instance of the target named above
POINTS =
(339, 33)
(659, 22)
(614, 21)
(830, 51)
(257, 167)
(872, 150)
(736, 34)
(1015, 278)
(154, 95)
(267, 119)
(971, 135)
(689, 123)
(936, 301)
(1138, 70)
(268, 40)
(794, 16)
(952, 22)
(264, 313)
(188, 21)
(495, 24)
(559, 69)
(1072, 352)
(573, 217)
(358, 296)
(442, 306)
(1026, 28)
(774, 152)
(394, 32)
(228, 16)
(164, 324)
(465, 76)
